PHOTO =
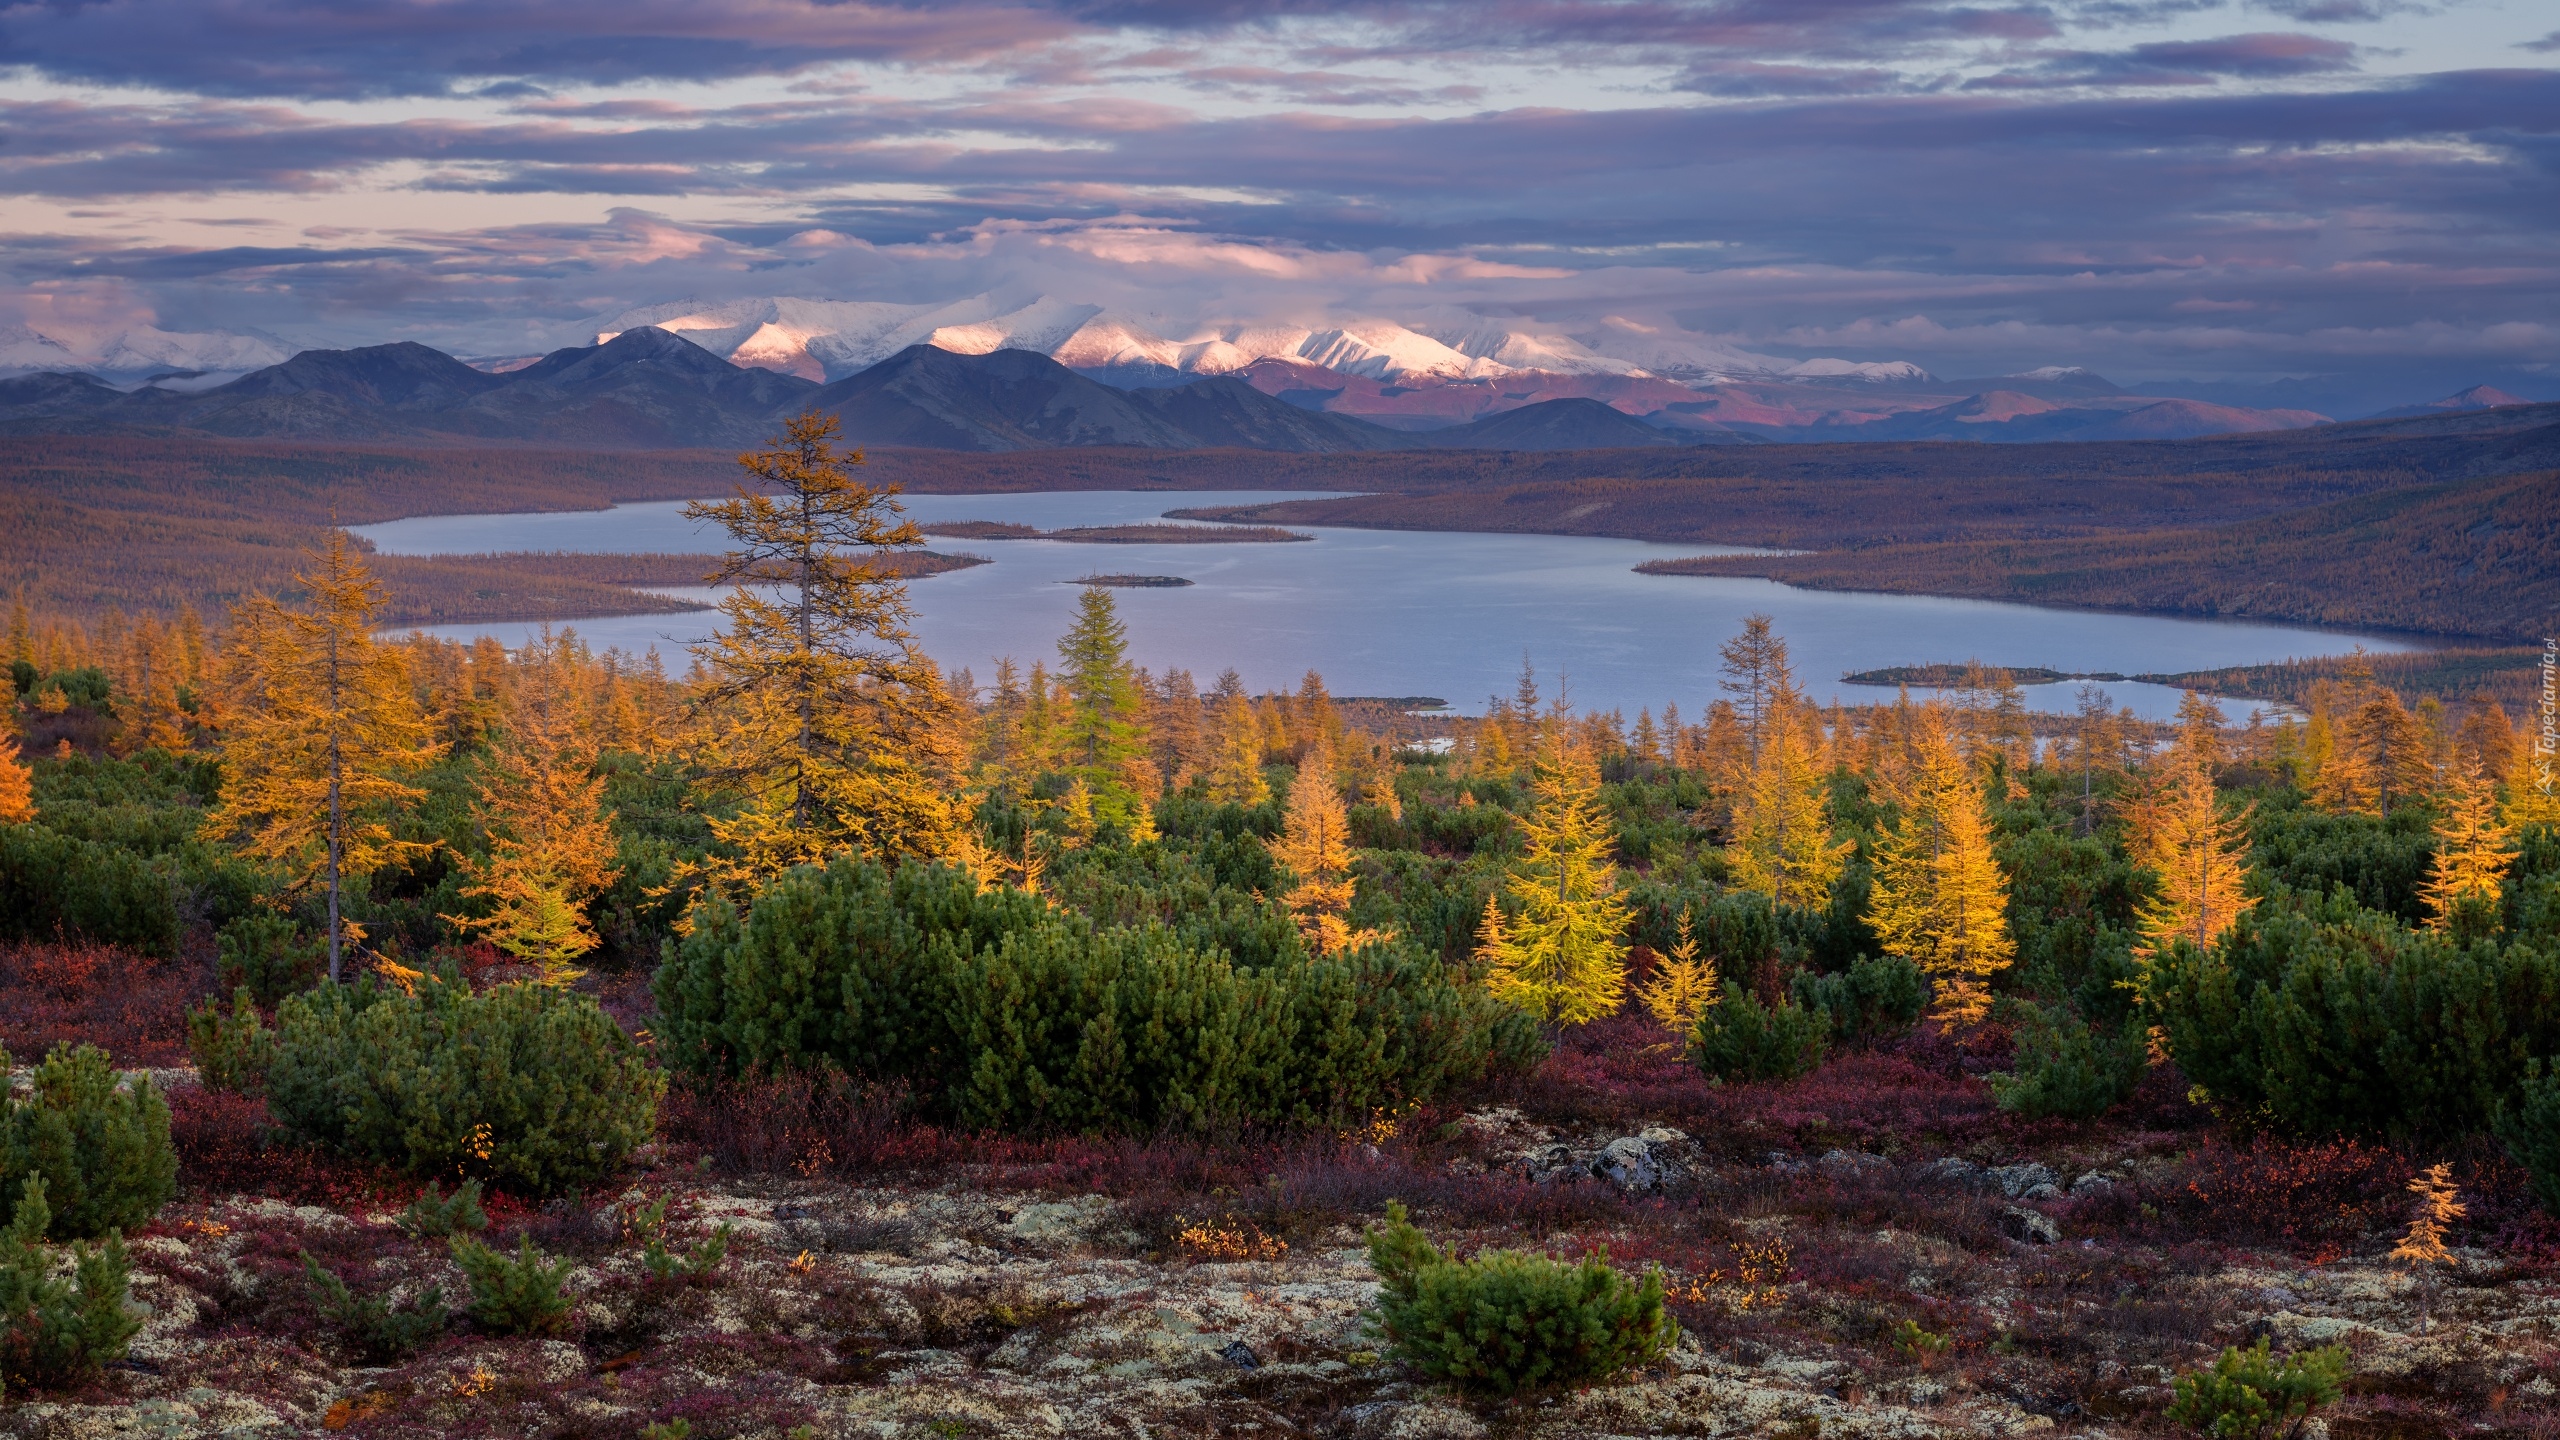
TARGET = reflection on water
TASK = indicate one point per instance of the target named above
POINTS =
(1407, 612)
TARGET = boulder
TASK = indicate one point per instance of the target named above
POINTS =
(2028, 1181)
(2028, 1227)
(1629, 1162)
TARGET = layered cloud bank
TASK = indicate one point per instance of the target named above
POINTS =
(2153, 188)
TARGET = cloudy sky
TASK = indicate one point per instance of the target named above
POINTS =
(2242, 189)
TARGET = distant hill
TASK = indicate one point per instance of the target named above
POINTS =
(2478, 397)
(1575, 424)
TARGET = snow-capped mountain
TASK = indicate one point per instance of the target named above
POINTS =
(829, 339)
(140, 351)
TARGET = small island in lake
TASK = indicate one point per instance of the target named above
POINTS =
(1146, 533)
(1131, 582)
(1957, 677)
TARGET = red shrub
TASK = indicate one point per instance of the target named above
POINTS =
(133, 1006)
(2328, 1197)
(227, 1145)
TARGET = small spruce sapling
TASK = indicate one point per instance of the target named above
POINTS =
(2422, 1246)
(55, 1331)
(2249, 1393)
(519, 1296)
(375, 1330)
(100, 1144)
(435, 1216)
(232, 1052)
(649, 1222)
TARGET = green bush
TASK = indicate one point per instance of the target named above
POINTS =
(519, 1296)
(2330, 1018)
(2249, 1393)
(849, 965)
(2530, 1124)
(528, 1085)
(434, 1217)
(376, 1331)
(666, 1266)
(1743, 1040)
(2066, 1067)
(266, 954)
(232, 1051)
(1007, 1014)
(101, 1147)
(1507, 1321)
(54, 885)
(1872, 999)
(54, 1331)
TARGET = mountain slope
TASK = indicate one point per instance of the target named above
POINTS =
(1573, 424)
(1021, 400)
(645, 387)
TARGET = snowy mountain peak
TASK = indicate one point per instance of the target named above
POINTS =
(1871, 371)
(140, 350)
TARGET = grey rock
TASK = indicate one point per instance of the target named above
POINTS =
(2028, 1227)
(2092, 1183)
(2019, 1182)
(1952, 1171)
(1240, 1355)
(1629, 1162)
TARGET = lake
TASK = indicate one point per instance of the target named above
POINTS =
(1384, 612)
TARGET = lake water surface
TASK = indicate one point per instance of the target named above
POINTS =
(1383, 612)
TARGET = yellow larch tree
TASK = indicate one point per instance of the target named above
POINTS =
(1562, 954)
(2198, 856)
(1683, 985)
(1235, 777)
(1940, 899)
(148, 673)
(824, 712)
(17, 785)
(2473, 849)
(541, 803)
(1314, 850)
(2533, 785)
(1782, 845)
(322, 722)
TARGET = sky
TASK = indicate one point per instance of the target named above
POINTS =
(2231, 190)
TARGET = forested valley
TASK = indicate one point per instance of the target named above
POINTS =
(427, 1038)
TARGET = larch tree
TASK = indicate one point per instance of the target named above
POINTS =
(1314, 850)
(1561, 956)
(1757, 675)
(541, 803)
(1782, 845)
(2533, 785)
(1683, 985)
(1940, 899)
(2473, 849)
(148, 673)
(1235, 776)
(2197, 855)
(1106, 741)
(321, 724)
(2200, 728)
(824, 711)
(17, 785)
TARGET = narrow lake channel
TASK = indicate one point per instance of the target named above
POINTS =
(1383, 612)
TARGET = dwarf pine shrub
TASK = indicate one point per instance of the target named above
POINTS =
(1872, 999)
(1508, 1321)
(435, 1216)
(529, 1085)
(56, 1330)
(1009, 1015)
(232, 1051)
(100, 1146)
(2334, 1019)
(267, 954)
(2249, 1393)
(2530, 1126)
(1743, 1040)
(375, 1331)
(2066, 1067)
(515, 1296)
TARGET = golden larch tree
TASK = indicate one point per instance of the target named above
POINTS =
(2473, 849)
(823, 709)
(1314, 850)
(1940, 899)
(322, 722)
(1782, 845)
(2533, 785)
(1561, 956)
(17, 785)
(1235, 778)
(541, 803)
(2197, 855)
(1683, 985)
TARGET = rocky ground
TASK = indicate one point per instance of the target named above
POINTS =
(952, 1306)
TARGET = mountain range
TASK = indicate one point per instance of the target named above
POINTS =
(1008, 384)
